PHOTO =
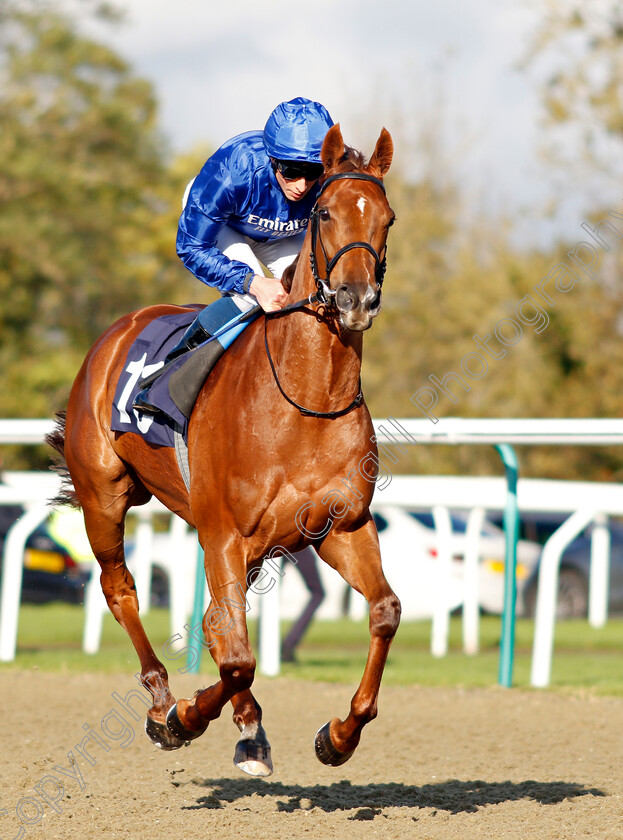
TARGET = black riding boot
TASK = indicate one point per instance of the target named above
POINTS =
(193, 337)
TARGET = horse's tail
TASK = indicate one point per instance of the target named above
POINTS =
(56, 439)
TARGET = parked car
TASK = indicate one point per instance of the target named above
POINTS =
(409, 548)
(164, 563)
(50, 573)
(574, 572)
(492, 553)
(410, 564)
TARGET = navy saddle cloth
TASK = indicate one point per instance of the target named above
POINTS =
(175, 391)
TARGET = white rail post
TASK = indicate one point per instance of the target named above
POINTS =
(599, 583)
(270, 629)
(547, 595)
(441, 614)
(471, 568)
(180, 585)
(95, 608)
(12, 571)
(143, 556)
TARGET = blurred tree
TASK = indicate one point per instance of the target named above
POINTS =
(448, 282)
(445, 284)
(88, 203)
(451, 276)
(577, 52)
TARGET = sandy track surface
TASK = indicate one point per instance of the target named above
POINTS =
(437, 763)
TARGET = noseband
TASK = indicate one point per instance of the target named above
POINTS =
(325, 293)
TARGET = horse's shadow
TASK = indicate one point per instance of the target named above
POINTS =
(453, 796)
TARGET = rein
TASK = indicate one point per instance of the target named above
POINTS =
(324, 294)
(306, 412)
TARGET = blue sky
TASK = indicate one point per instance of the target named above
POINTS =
(220, 67)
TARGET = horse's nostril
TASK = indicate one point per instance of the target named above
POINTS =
(375, 303)
(346, 298)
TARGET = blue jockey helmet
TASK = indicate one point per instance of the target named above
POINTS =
(296, 129)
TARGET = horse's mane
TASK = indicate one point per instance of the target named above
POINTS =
(351, 161)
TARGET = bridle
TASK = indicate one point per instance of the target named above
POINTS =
(325, 294)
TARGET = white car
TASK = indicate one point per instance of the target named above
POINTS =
(410, 562)
(409, 550)
(492, 553)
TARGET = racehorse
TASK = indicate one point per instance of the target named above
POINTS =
(281, 451)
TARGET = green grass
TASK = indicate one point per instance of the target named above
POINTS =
(50, 637)
(585, 659)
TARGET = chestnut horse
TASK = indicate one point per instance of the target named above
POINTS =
(276, 441)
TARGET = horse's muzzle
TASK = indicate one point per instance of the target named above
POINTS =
(357, 311)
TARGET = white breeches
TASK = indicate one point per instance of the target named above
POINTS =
(276, 255)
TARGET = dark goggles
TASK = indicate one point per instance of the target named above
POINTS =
(293, 170)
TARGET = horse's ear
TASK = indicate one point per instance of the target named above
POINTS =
(332, 148)
(383, 153)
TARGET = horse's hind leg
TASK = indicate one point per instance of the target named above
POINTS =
(357, 558)
(105, 492)
(225, 629)
(229, 646)
(106, 536)
(253, 753)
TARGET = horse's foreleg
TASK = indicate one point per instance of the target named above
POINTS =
(236, 663)
(356, 556)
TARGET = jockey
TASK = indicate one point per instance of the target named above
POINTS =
(250, 204)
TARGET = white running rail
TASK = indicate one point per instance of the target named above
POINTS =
(585, 500)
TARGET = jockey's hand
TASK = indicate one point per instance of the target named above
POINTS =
(268, 292)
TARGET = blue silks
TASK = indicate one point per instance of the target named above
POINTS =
(236, 187)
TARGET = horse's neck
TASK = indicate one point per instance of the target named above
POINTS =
(318, 362)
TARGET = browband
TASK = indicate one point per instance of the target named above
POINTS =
(357, 176)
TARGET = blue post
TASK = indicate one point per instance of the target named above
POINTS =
(194, 645)
(511, 529)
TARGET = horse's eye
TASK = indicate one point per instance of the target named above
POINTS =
(324, 214)
(391, 221)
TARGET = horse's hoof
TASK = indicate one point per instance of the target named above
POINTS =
(159, 735)
(253, 756)
(325, 751)
(178, 730)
